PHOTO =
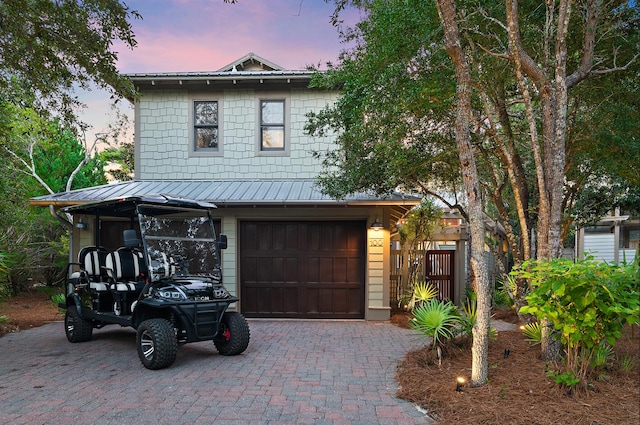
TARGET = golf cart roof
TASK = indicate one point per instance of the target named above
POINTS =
(126, 207)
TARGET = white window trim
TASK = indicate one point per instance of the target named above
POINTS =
(286, 97)
(206, 97)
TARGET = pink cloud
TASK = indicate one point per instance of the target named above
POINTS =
(196, 35)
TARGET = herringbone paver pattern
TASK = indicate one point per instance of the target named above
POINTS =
(294, 372)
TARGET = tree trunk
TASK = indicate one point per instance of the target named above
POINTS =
(480, 347)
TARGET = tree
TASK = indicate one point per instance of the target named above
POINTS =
(453, 46)
(48, 155)
(50, 46)
(533, 84)
(415, 233)
(121, 157)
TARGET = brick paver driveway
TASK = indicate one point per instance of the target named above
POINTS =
(294, 372)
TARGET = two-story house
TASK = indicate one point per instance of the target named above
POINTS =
(235, 137)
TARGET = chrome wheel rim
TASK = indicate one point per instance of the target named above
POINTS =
(147, 346)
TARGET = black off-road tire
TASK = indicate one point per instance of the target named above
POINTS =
(157, 344)
(77, 328)
(233, 337)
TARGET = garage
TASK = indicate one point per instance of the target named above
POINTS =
(302, 269)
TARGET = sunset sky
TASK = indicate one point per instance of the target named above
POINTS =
(205, 35)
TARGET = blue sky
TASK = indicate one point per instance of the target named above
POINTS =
(205, 35)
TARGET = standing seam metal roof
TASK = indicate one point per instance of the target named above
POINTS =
(224, 193)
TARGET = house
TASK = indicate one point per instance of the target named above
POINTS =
(614, 238)
(235, 137)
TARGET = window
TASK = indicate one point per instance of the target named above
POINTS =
(272, 135)
(205, 125)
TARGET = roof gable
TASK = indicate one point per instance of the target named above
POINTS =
(251, 62)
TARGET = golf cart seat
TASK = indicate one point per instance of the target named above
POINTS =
(92, 262)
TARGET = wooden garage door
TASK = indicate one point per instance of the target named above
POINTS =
(302, 269)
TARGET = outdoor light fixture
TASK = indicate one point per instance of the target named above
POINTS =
(377, 225)
(460, 381)
(81, 225)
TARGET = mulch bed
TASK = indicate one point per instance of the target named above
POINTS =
(27, 310)
(518, 391)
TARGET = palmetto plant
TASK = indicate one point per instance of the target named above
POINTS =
(533, 333)
(468, 320)
(436, 319)
(422, 291)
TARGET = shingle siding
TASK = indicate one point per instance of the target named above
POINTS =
(164, 138)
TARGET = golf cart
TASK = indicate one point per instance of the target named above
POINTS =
(159, 275)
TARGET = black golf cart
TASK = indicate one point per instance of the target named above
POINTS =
(163, 278)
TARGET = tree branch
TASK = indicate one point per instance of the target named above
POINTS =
(588, 45)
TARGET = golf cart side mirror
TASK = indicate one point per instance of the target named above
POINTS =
(222, 242)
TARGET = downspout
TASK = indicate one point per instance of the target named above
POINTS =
(66, 223)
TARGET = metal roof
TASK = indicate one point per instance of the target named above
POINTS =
(235, 193)
(156, 76)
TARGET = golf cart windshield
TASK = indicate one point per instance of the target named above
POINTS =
(178, 241)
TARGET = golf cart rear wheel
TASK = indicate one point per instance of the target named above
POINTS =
(233, 336)
(77, 328)
(157, 343)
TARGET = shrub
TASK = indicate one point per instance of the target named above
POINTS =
(587, 302)
(468, 320)
(422, 291)
(436, 319)
(532, 333)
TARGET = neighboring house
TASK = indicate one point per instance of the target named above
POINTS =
(235, 137)
(614, 239)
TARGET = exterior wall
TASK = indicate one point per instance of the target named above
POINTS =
(376, 273)
(601, 246)
(163, 137)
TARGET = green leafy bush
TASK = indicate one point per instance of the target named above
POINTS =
(436, 319)
(587, 302)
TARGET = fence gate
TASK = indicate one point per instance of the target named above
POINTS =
(440, 272)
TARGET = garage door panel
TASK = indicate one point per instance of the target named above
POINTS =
(352, 272)
(302, 269)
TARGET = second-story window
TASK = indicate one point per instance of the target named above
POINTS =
(206, 125)
(272, 125)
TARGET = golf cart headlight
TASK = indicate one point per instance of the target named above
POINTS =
(170, 295)
(220, 292)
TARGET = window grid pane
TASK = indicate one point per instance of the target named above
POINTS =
(207, 138)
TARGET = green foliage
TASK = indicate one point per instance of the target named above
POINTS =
(30, 239)
(532, 333)
(420, 223)
(50, 46)
(587, 302)
(627, 362)
(565, 379)
(436, 319)
(501, 295)
(123, 156)
(57, 299)
(394, 120)
(422, 291)
(394, 85)
(470, 315)
(602, 354)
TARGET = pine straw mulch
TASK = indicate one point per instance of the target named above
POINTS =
(518, 391)
(27, 310)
